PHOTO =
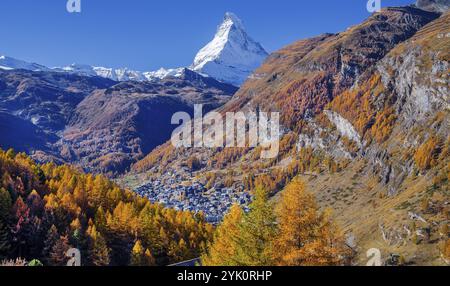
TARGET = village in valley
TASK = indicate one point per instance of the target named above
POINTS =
(214, 203)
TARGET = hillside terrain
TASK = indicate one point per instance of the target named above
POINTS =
(96, 123)
(365, 123)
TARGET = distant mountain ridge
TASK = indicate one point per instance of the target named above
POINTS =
(93, 122)
(230, 57)
(8, 63)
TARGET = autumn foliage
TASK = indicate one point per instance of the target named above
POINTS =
(293, 232)
(47, 209)
(427, 154)
(306, 236)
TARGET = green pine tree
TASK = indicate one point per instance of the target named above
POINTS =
(257, 230)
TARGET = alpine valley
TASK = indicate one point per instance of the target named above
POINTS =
(364, 157)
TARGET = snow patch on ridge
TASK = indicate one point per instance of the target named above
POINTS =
(163, 73)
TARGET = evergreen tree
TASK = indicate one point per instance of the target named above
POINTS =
(35, 203)
(58, 254)
(5, 204)
(50, 240)
(256, 232)
(35, 242)
(98, 249)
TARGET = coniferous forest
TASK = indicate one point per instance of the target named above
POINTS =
(46, 209)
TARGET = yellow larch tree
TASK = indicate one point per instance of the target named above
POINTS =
(306, 235)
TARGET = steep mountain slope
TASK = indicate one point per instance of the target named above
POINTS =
(300, 80)
(21, 134)
(232, 55)
(114, 127)
(309, 81)
(365, 122)
(45, 99)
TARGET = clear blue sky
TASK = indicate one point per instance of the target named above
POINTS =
(148, 34)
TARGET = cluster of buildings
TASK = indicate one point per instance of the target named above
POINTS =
(214, 203)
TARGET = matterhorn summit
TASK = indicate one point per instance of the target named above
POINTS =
(232, 55)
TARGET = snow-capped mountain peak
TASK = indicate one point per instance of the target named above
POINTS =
(163, 73)
(8, 63)
(232, 55)
(122, 74)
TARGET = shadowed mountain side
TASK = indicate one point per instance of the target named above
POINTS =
(20, 134)
(114, 127)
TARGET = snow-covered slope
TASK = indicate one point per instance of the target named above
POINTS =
(8, 63)
(163, 73)
(232, 55)
(122, 74)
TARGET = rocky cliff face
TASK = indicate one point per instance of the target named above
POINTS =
(312, 72)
